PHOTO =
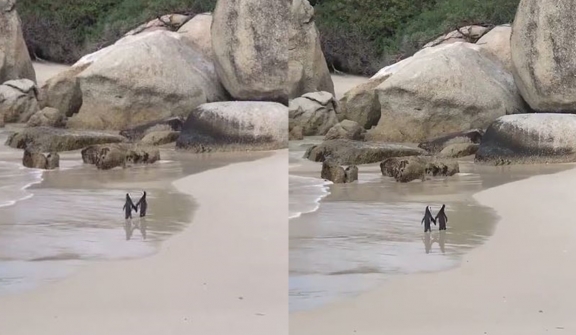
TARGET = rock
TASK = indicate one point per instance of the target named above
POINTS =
(529, 138)
(463, 34)
(150, 76)
(18, 100)
(63, 91)
(47, 139)
(457, 150)
(296, 134)
(168, 22)
(138, 132)
(34, 160)
(454, 88)
(197, 33)
(308, 71)
(406, 169)
(349, 130)
(544, 54)
(250, 48)
(235, 125)
(109, 156)
(140, 155)
(160, 137)
(348, 152)
(48, 116)
(15, 62)
(332, 171)
(52, 161)
(361, 103)
(496, 43)
(314, 112)
(438, 144)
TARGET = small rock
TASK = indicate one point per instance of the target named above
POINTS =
(18, 100)
(438, 144)
(406, 169)
(34, 160)
(332, 171)
(314, 112)
(109, 156)
(160, 137)
(457, 150)
(48, 116)
(296, 134)
(346, 129)
(139, 132)
(52, 161)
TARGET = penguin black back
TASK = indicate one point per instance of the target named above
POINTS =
(143, 205)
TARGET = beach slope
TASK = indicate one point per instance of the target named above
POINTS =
(226, 273)
(521, 281)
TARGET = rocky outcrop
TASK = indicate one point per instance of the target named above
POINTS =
(236, 125)
(474, 91)
(348, 152)
(438, 144)
(160, 137)
(147, 77)
(18, 100)
(464, 34)
(296, 134)
(361, 103)
(332, 171)
(529, 138)
(47, 139)
(308, 71)
(167, 22)
(140, 131)
(109, 156)
(49, 117)
(249, 47)
(37, 160)
(458, 150)
(15, 62)
(314, 112)
(496, 43)
(406, 169)
(63, 91)
(544, 54)
(349, 130)
(197, 33)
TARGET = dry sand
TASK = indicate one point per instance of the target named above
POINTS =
(225, 274)
(46, 70)
(345, 82)
(519, 282)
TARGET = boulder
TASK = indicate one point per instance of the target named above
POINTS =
(349, 130)
(52, 161)
(438, 144)
(347, 152)
(47, 139)
(361, 103)
(15, 62)
(314, 112)
(48, 116)
(529, 138)
(160, 137)
(109, 156)
(308, 71)
(457, 150)
(196, 32)
(451, 89)
(37, 160)
(168, 22)
(18, 100)
(63, 91)
(296, 133)
(406, 169)
(464, 34)
(150, 76)
(332, 171)
(235, 125)
(496, 43)
(249, 47)
(544, 54)
(138, 132)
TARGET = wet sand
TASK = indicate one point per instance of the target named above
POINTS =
(224, 273)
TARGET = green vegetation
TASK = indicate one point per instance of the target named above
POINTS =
(358, 36)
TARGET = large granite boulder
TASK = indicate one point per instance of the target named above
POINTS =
(436, 145)
(496, 43)
(406, 169)
(15, 62)
(361, 103)
(314, 112)
(197, 33)
(47, 139)
(147, 77)
(140, 131)
(18, 100)
(235, 126)
(347, 152)
(63, 91)
(346, 129)
(450, 89)
(308, 71)
(544, 54)
(332, 171)
(529, 138)
(249, 47)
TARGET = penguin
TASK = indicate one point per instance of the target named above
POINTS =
(128, 206)
(143, 205)
(442, 218)
(426, 220)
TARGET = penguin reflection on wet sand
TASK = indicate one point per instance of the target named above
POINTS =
(128, 207)
(442, 218)
(426, 220)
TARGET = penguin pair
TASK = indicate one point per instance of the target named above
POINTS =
(428, 218)
(142, 204)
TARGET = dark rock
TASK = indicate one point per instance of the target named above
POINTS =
(332, 171)
(47, 139)
(347, 152)
(109, 156)
(296, 134)
(34, 160)
(457, 150)
(52, 161)
(139, 132)
(406, 169)
(437, 144)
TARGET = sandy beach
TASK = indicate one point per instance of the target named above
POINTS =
(224, 274)
(518, 282)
